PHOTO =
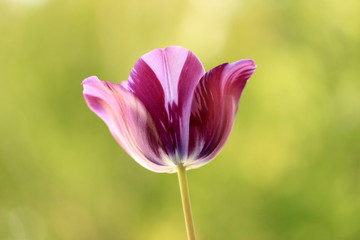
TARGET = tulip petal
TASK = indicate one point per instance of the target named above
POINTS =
(164, 80)
(214, 107)
(129, 122)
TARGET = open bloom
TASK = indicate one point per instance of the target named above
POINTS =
(171, 112)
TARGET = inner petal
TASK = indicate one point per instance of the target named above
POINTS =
(165, 80)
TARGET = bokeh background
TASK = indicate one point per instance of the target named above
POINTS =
(290, 170)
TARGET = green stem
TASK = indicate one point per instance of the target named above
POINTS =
(185, 197)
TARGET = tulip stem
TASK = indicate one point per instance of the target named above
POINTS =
(185, 197)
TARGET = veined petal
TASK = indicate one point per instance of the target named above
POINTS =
(164, 80)
(214, 106)
(129, 122)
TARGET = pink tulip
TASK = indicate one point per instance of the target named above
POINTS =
(171, 112)
(171, 115)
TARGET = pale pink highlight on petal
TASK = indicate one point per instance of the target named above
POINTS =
(167, 65)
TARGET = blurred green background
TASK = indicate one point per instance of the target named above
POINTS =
(290, 170)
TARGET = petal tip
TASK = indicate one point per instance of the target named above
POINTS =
(246, 63)
(90, 80)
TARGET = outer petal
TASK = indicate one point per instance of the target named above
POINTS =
(164, 80)
(129, 122)
(213, 110)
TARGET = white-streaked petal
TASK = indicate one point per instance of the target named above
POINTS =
(164, 80)
(214, 107)
(129, 122)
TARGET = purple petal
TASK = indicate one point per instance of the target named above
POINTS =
(213, 110)
(164, 80)
(129, 122)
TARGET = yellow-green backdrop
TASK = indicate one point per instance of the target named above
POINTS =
(290, 170)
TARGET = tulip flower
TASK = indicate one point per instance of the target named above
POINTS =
(171, 115)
